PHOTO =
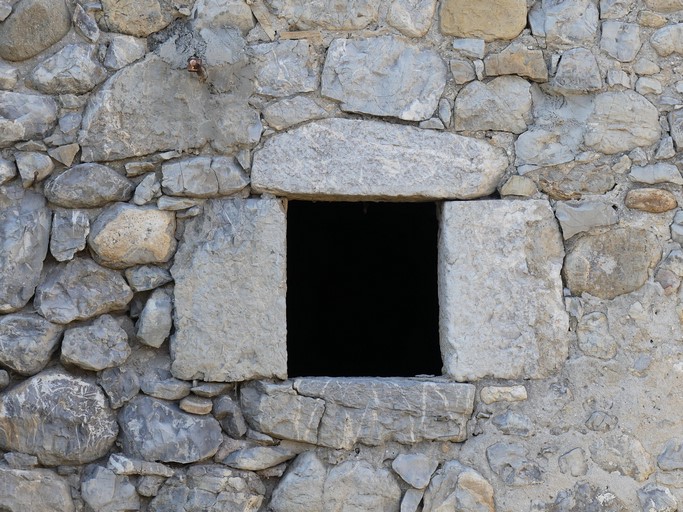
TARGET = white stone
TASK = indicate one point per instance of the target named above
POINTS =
(471, 48)
(656, 173)
(492, 394)
(372, 160)
(33, 167)
(668, 40)
(576, 218)
(577, 71)
(500, 290)
(326, 14)
(415, 469)
(620, 40)
(219, 13)
(410, 17)
(124, 50)
(203, 177)
(284, 68)
(618, 77)
(647, 85)
(566, 22)
(462, 71)
(287, 112)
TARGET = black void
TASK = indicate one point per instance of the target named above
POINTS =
(362, 289)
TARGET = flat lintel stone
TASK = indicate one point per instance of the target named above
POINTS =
(500, 293)
(373, 160)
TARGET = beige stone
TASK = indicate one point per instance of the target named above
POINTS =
(491, 394)
(196, 405)
(486, 19)
(516, 59)
(653, 200)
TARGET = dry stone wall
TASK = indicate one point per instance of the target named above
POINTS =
(148, 150)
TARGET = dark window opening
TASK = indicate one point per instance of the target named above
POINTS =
(362, 289)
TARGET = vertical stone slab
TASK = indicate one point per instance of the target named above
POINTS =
(500, 293)
(230, 284)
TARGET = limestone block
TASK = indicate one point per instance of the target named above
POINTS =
(411, 18)
(579, 217)
(658, 498)
(668, 40)
(384, 76)
(565, 22)
(140, 17)
(620, 40)
(105, 491)
(25, 116)
(653, 200)
(301, 488)
(611, 264)
(356, 485)
(415, 469)
(46, 490)
(33, 167)
(326, 14)
(124, 50)
(70, 229)
(147, 277)
(500, 290)
(258, 458)
(9, 76)
(517, 59)
(284, 67)
(203, 177)
(155, 322)
(290, 111)
(120, 385)
(25, 231)
(219, 13)
(72, 70)
(375, 160)
(458, 487)
(656, 173)
(44, 416)
(487, 19)
(624, 454)
(230, 287)
(88, 186)
(94, 347)
(492, 394)
(511, 462)
(664, 5)
(85, 24)
(577, 71)
(33, 26)
(27, 341)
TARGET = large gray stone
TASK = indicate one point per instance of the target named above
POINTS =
(375, 160)
(27, 341)
(25, 116)
(458, 487)
(384, 76)
(230, 286)
(284, 67)
(577, 72)
(503, 104)
(24, 235)
(103, 344)
(356, 485)
(565, 22)
(79, 290)
(301, 488)
(105, 491)
(72, 70)
(155, 322)
(203, 176)
(88, 186)
(124, 50)
(70, 229)
(160, 108)
(415, 469)
(622, 121)
(58, 418)
(668, 40)
(487, 19)
(33, 26)
(610, 264)
(156, 430)
(124, 235)
(325, 14)
(35, 489)
(620, 40)
(500, 290)
(140, 17)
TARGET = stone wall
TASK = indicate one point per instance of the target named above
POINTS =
(147, 153)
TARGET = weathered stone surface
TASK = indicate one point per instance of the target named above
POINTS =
(671, 458)
(72, 70)
(210, 488)
(24, 234)
(653, 200)
(147, 190)
(675, 119)
(487, 19)
(325, 14)
(356, 485)
(656, 173)
(624, 454)
(647, 85)
(668, 40)
(301, 488)
(511, 463)
(503, 104)
(594, 337)
(140, 17)
(258, 458)
(27, 341)
(656, 498)
(25, 116)
(583, 497)
(88, 186)
(33, 26)
(196, 405)
(611, 264)
(101, 345)
(511, 423)
(620, 40)
(105, 491)
(577, 72)
(411, 18)
(79, 290)
(285, 67)
(622, 121)
(8, 170)
(125, 235)
(573, 462)
(219, 13)
(462, 71)
(59, 418)
(415, 469)
(565, 22)
(521, 324)
(120, 384)
(517, 59)
(375, 160)
(160, 108)
(203, 177)
(124, 50)
(69, 231)
(33, 167)
(458, 487)
(155, 322)
(492, 394)
(230, 293)
(290, 111)
(159, 383)
(64, 154)
(37, 489)
(578, 217)
(384, 76)
(155, 430)
(122, 465)
(8, 76)
(228, 412)
(85, 24)
(147, 277)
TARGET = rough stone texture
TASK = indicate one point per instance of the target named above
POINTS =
(58, 418)
(33, 26)
(124, 50)
(375, 160)
(668, 40)
(8, 170)
(651, 200)
(415, 469)
(147, 277)
(196, 405)
(230, 293)
(577, 72)
(656, 173)
(489, 106)
(103, 344)
(27, 341)
(511, 463)
(24, 234)
(458, 487)
(155, 322)
(79, 290)
(159, 383)
(624, 454)
(565, 22)
(622, 121)
(287, 112)
(487, 19)
(579, 217)
(69, 231)
(160, 108)
(48, 491)
(33, 167)
(411, 17)
(356, 485)
(203, 177)
(125, 235)
(522, 325)
(85, 24)
(139, 17)
(218, 13)
(105, 491)
(120, 385)
(260, 457)
(301, 487)
(325, 14)
(583, 497)
(155, 430)
(516, 59)
(611, 264)
(284, 68)
(656, 498)
(88, 186)
(492, 394)
(25, 116)
(384, 76)
(620, 40)
(72, 70)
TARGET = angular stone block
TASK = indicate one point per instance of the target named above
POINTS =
(230, 287)
(500, 292)
(356, 159)
(485, 19)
